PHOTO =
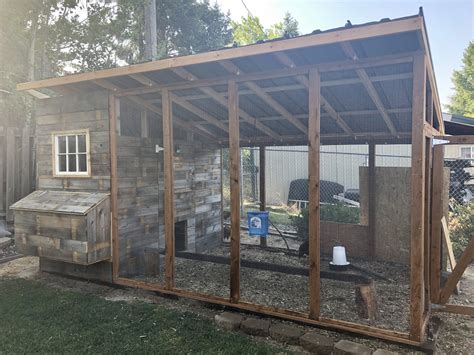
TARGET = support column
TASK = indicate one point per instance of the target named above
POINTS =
(314, 140)
(436, 215)
(417, 199)
(234, 155)
(262, 188)
(168, 170)
(113, 131)
(371, 190)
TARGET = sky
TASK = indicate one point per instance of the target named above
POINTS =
(450, 24)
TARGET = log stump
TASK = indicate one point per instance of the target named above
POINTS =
(152, 263)
(366, 301)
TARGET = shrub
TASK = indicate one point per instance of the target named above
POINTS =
(461, 227)
(338, 212)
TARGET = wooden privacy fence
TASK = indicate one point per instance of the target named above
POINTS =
(16, 167)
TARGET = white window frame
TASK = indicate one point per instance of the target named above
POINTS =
(55, 144)
(471, 154)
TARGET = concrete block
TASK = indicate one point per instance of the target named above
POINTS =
(317, 343)
(228, 321)
(346, 347)
(254, 326)
(286, 333)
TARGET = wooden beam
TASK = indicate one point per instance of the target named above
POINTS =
(346, 34)
(168, 168)
(456, 274)
(37, 94)
(11, 174)
(142, 79)
(278, 73)
(234, 155)
(113, 131)
(447, 242)
(466, 310)
(427, 220)
(372, 201)
(457, 139)
(25, 162)
(362, 74)
(141, 102)
(262, 187)
(267, 98)
(145, 131)
(314, 132)
(417, 199)
(224, 102)
(361, 329)
(284, 59)
(436, 215)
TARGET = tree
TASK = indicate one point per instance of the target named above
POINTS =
(462, 102)
(250, 30)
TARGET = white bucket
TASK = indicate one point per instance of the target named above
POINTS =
(339, 256)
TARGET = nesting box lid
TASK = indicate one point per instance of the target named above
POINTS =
(68, 202)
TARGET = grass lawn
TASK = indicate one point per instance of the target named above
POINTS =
(35, 318)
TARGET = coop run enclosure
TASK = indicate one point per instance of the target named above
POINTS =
(167, 141)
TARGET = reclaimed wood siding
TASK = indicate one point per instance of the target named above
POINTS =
(68, 113)
(141, 192)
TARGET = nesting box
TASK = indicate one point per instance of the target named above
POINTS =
(73, 227)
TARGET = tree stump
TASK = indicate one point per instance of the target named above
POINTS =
(366, 301)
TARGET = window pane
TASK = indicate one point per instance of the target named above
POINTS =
(62, 144)
(72, 162)
(82, 162)
(62, 163)
(71, 142)
(81, 140)
(466, 152)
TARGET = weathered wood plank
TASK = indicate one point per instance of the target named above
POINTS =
(11, 177)
(113, 131)
(25, 162)
(372, 213)
(262, 187)
(314, 231)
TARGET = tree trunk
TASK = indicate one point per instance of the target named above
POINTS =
(150, 30)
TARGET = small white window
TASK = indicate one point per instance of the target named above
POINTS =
(466, 152)
(71, 154)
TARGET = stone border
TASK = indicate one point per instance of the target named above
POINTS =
(311, 341)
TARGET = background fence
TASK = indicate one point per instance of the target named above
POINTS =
(16, 167)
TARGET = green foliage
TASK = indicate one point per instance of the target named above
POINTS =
(250, 30)
(38, 319)
(462, 102)
(338, 212)
(461, 227)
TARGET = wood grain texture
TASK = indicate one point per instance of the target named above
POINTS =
(314, 233)
(234, 155)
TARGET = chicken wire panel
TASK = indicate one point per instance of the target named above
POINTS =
(140, 193)
(201, 254)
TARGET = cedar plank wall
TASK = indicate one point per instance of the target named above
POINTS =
(67, 113)
(140, 199)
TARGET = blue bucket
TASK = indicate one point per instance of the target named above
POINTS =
(258, 223)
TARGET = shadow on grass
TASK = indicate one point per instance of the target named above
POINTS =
(35, 318)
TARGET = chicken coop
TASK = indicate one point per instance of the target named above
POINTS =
(161, 142)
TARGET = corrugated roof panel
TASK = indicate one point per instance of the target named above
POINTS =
(348, 97)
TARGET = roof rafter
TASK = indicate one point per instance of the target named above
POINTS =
(231, 67)
(362, 74)
(179, 121)
(285, 60)
(223, 101)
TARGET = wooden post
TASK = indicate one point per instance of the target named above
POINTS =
(169, 187)
(436, 215)
(314, 192)
(2, 172)
(262, 188)
(10, 175)
(144, 123)
(427, 226)
(366, 301)
(25, 162)
(113, 131)
(234, 155)
(417, 198)
(371, 190)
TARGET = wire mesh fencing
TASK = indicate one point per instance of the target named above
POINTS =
(286, 179)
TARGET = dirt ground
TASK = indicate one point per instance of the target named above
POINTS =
(455, 337)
